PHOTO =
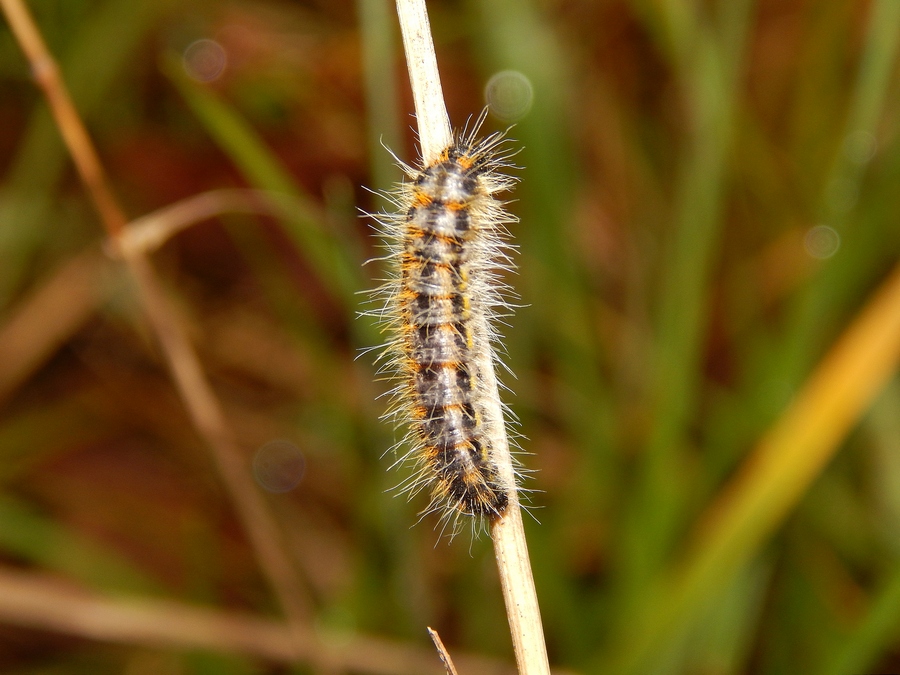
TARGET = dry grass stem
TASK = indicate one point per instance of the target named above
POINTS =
(39, 602)
(208, 417)
(442, 651)
(507, 532)
(46, 318)
(205, 410)
(431, 112)
(149, 232)
(46, 73)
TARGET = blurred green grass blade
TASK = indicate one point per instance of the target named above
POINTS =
(378, 35)
(773, 362)
(206, 663)
(236, 138)
(305, 222)
(33, 436)
(517, 35)
(876, 634)
(293, 311)
(96, 57)
(30, 536)
(723, 635)
(774, 478)
(781, 359)
(883, 425)
(815, 308)
(866, 108)
(709, 77)
(789, 361)
(721, 641)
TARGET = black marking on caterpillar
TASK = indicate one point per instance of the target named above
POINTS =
(447, 247)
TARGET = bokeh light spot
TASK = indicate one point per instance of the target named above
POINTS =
(822, 242)
(204, 60)
(509, 95)
(278, 466)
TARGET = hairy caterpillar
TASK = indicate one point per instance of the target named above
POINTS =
(447, 244)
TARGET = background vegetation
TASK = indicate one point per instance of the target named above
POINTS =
(708, 202)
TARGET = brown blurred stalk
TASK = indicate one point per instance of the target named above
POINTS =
(59, 305)
(48, 317)
(35, 601)
(204, 409)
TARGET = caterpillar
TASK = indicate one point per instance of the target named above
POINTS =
(448, 247)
